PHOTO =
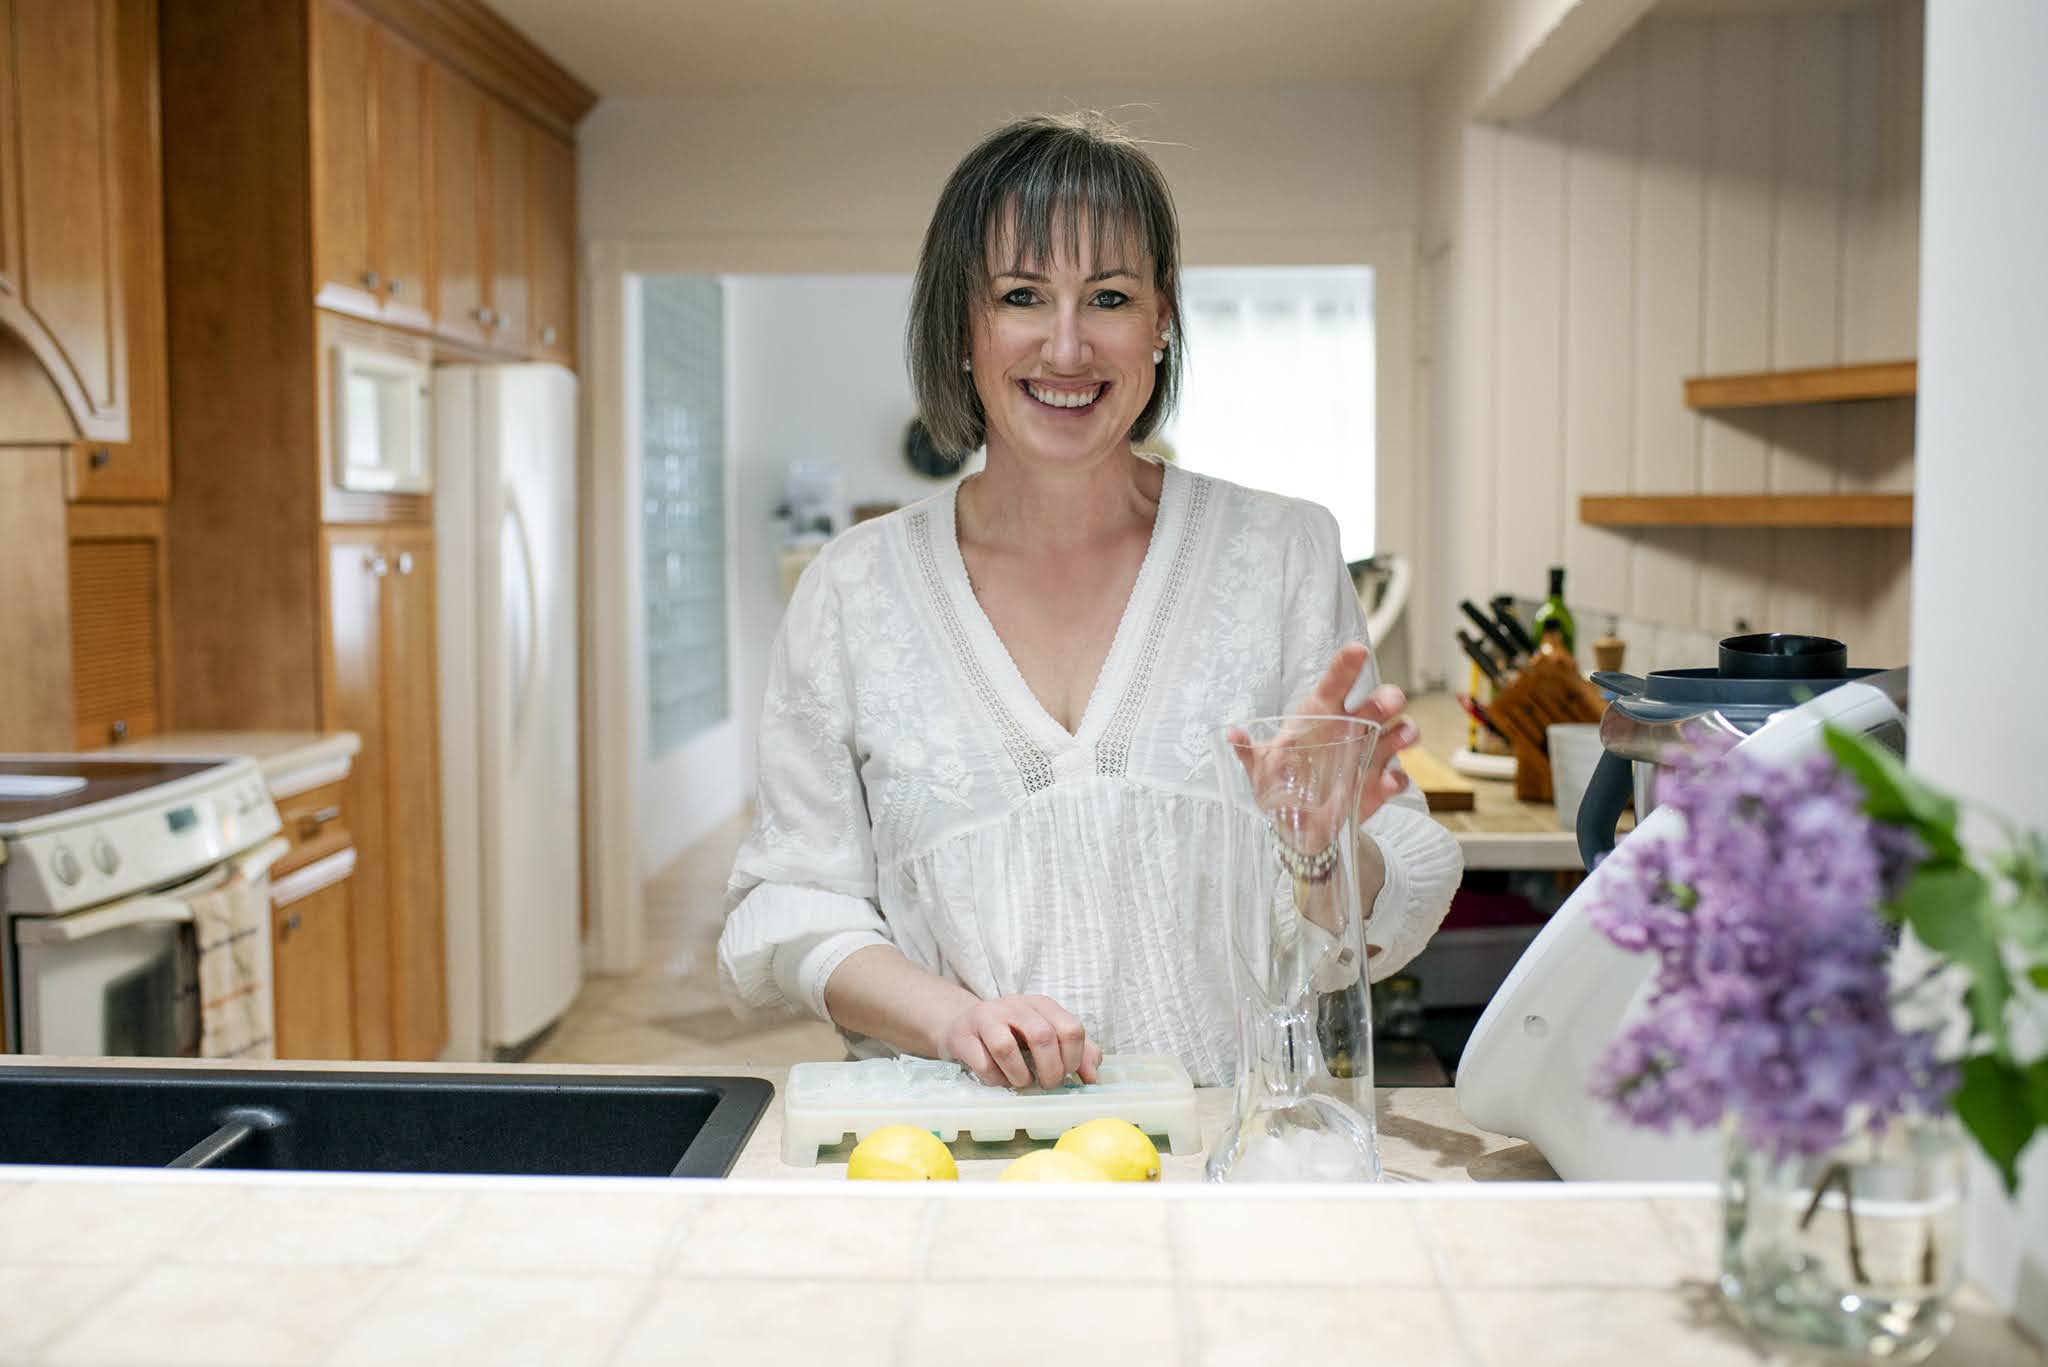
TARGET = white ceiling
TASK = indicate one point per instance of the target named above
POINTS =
(676, 47)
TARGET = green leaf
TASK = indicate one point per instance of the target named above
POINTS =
(1995, 1106)
(2024, 920)
(1892, 794)
(1954, 914)
(2038, 976)
(2037, 1083)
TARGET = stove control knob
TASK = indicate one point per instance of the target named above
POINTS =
(66, 866)
(105, 857)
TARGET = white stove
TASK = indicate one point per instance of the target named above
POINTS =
(93, 852)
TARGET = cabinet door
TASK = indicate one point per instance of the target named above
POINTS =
(419, 999)
(345, 277)
(553, 218)
(312, 980)
(61, 289)
(455, 116)
(119, 592)
(508, 254)
(358, 573)
(139, 469)
(402, 178)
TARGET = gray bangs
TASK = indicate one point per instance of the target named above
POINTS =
(1034, 188)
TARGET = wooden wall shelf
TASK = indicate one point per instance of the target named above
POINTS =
(1825, 384)
(1746, 510)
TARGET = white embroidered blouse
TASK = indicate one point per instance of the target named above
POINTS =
(913, 792)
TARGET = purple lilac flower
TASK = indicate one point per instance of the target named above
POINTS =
(1771, 997)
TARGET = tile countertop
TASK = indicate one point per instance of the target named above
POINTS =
(114, 1267)
(292, 761)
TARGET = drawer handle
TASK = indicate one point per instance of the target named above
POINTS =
(300, 884)
(310, 824)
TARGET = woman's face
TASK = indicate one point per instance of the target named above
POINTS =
(1062, 351)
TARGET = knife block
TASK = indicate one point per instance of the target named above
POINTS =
(1548, 689)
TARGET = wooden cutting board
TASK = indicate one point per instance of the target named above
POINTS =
(1444, 788)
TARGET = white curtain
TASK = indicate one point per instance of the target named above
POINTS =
(1278, 392)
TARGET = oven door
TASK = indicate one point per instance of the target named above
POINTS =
(118, 979)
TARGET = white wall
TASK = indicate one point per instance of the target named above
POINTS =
(783, 173)
(1719, 194)
(1982, 490)
(815, 365)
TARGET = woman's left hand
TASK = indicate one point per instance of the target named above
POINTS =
(1336, 695)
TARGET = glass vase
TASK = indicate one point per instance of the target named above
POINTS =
(1856, 1251)
(1304, 1098)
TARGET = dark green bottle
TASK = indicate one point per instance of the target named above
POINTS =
(1555, 616)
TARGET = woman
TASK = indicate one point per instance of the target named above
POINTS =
(988, 817)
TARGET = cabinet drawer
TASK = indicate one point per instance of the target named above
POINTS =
(314, 822)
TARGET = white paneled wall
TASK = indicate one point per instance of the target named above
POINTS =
(1717, 194)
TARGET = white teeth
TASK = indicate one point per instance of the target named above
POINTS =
(1064, 398)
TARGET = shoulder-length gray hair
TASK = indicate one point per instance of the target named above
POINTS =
(1027, 179)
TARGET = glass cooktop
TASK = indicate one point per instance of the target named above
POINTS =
(46, 785)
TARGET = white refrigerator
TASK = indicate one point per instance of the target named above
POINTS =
(505, 533)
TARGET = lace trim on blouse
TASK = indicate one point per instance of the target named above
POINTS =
(1032, 765)
(1113, 750)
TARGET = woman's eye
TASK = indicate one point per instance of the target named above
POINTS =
(1020, 298)
(1111, 299)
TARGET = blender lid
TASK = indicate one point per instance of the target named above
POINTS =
(1669, 694)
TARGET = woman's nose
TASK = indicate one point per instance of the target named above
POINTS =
(1067, 350)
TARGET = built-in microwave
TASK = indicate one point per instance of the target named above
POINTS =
(381, 424)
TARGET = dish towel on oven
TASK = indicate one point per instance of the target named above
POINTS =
(231, 929)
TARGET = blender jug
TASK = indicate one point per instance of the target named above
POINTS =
(1304, 1103)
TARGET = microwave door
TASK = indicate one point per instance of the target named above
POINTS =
(114, 980)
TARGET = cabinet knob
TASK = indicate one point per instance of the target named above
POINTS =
(405, 562)
(118, 732)
(101, 458)
(379, 566)
(392, 287)
(310, 824)
(547, 335)
(488, 317)
(291, 923)
(371, 280)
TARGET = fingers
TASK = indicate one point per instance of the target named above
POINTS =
(1070, 1041)
(1330, 696)
(1022, 1041)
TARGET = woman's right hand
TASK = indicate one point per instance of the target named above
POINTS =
(989, 1039)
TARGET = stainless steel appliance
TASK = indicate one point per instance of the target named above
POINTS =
(97, 858)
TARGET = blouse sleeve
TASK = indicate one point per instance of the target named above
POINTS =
(801, 896)
(1424, 864)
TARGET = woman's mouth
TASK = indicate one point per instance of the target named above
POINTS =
(1067, 400)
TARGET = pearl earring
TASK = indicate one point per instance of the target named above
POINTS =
(1157, 356)
(967, 363)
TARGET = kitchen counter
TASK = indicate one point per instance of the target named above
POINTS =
(107, 1266)
(292, 761)
(1501, 831)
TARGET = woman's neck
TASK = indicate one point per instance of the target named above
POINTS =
(1016, 504)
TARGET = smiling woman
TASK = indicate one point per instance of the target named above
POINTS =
(989, 815)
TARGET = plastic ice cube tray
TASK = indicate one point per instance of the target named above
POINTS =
(824, 1102)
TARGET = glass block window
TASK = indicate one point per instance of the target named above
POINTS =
(682, 473)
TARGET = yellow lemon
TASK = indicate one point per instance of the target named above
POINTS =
(1049, 1165)
(1117, 1147)
(902, 1153)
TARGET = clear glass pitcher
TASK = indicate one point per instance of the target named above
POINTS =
(1304, 1110)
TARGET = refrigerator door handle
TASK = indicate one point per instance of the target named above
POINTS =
(522, 635)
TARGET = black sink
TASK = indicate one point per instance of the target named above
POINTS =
(524, 1123)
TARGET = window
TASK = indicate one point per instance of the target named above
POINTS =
(682, 464)
(1278, 391)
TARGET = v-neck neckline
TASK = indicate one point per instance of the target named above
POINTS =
(1132, 628)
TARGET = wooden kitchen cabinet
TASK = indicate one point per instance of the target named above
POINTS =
(381, 624)
(61, 260)
(137, 470)
(551, 211)
(456, 115)
(505, 240)
(311, 956)
(119, 597)
(371, 165)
